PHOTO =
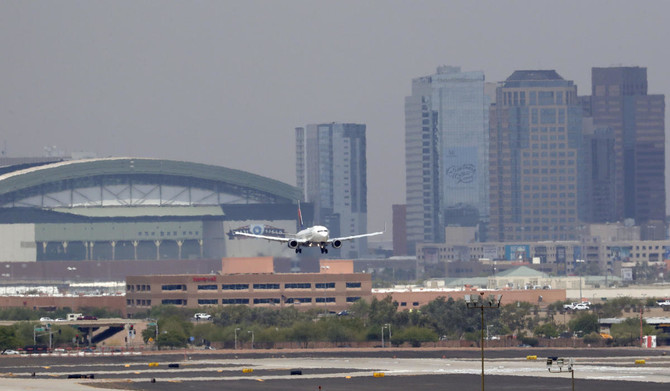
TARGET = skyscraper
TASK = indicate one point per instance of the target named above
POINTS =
(619, 101)
(446, 153)
(331, 170)
(535, 139)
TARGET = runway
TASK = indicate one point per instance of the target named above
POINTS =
(345, 370)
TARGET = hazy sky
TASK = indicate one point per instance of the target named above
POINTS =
(227, 82)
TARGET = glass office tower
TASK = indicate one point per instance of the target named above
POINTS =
(331, 170)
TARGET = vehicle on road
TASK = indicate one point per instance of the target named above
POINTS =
(577, 306)
(664, 303)
(10, 352)
(46, 319)
(87, 317)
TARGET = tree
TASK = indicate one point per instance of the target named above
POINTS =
(382, 311)
(8, 338)
(302, 332)
(514, 316)
(584, 323)
(414, 335)
(547, 330)
(628, 331)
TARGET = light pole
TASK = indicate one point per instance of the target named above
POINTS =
(388, 325)
(252, 338)
(383, 327)
(236, 330)
(478, 301)
(560, 362)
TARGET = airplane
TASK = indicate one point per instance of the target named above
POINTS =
(315, 236)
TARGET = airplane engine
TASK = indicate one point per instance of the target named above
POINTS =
(292, 243)
(337, 244)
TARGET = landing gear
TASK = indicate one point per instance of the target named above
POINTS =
(298, 251)
(324, 250)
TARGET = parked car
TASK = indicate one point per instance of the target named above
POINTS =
(60, 320)
(10, 351)
(581, 306)
(664, 303)
(46, 319)
(202, 316)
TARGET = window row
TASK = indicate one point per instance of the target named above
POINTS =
(236, 287)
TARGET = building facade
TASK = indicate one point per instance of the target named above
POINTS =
(535, 168)
(446, 153)
(331, 170)
(620, 102)
(327, 291)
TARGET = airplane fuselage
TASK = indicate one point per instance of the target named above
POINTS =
(314, 235)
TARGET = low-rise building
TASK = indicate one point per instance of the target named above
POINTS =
(252, 282)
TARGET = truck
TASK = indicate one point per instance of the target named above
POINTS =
(665, 304)
(73, 317)
(576, 306)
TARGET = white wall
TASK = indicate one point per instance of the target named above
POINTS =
(17, 243)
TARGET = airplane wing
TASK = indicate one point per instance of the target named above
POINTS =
(272, 238)
(355, 236)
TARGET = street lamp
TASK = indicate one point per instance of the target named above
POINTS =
(557, 364)
(388, 326)
(478, 301)
(236, 330)
(252, 338)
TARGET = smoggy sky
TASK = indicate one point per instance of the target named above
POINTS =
(227, 82)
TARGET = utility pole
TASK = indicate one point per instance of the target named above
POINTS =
(477, 301)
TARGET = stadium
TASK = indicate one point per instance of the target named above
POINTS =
(126, 210)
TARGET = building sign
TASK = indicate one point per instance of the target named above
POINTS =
(627, 274)
(257, 229)
(620, 253)
(204, 279)
(517, 252)
(460, 176)
(491, 252)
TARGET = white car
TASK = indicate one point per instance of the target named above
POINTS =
(581, 306)
(10, 351)
(202, 316)
(46, 319)
(60, 320)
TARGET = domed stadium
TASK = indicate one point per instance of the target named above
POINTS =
(137, 209)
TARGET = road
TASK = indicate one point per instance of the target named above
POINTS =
(342, 370)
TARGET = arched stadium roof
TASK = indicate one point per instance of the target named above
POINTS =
(137, 182)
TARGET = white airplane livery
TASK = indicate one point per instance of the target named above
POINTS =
(315, 236)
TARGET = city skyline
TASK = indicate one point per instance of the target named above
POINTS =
(205, 82)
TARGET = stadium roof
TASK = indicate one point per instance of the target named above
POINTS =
(69, 175)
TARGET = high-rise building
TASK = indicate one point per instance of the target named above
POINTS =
(331, 170)
(620, 102)
(535, 167)
(446, 153)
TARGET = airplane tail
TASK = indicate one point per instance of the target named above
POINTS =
(302, 225)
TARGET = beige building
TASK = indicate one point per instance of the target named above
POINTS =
(560, 257)
(250, 281)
